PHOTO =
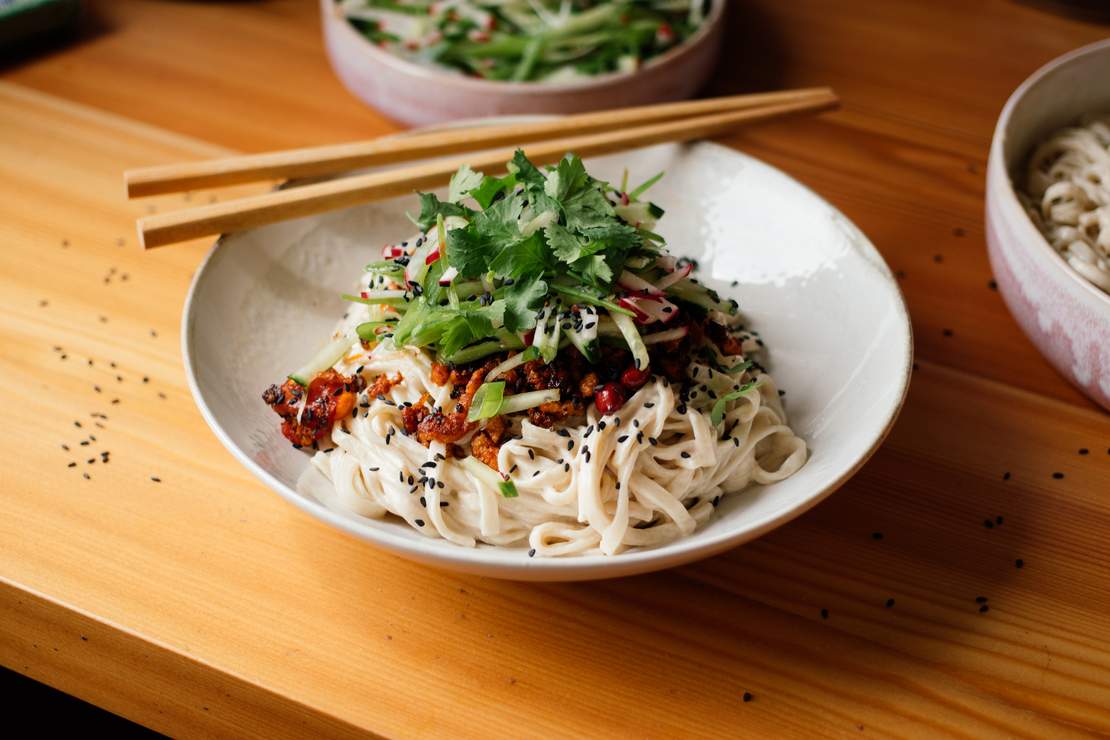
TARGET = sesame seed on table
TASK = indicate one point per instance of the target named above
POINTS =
(181, 593)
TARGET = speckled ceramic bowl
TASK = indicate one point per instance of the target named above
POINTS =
(419, 95)
(1066, 317)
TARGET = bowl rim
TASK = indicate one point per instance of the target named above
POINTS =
(591, 567)
(997, 162)
(474, 85)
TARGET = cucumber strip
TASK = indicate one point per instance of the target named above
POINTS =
(635, 343)
(521, 401)
(379, 298)
(327, 356)
(700, 295)
(583, 297)
(475, 352)
(531, 353)
(487, 475)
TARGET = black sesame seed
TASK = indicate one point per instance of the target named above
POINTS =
(624, 438)
(1084, 451)
(946, 332)
(685, 455)
(570, 445)
(998, 520)
(418, 522)
(1057, 476)
(1006, 475)
(980, 599)
(532, 553)
(653, 441)
(72, 465)
(876, 535)
(824, 614)
(988, 524)
(747, 696)
(984, 609)
(531, 454)
(649, 405)
(889, 603)
(566, 467)
(156, 479)
(1019, 563)
(86, 476)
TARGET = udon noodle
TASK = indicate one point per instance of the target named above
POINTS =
(1067, 194)
(646, 475)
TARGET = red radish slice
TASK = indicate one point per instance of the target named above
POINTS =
(649, 310)
(448, 275)
(432, 257)
(632, 304)
(669, 280)
(392, 251)
(636, 284)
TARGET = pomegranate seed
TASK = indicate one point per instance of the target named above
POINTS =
(633, 378)
(609, 398)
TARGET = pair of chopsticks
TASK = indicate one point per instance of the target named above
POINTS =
(545, 142)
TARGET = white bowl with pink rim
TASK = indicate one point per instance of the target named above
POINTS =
(419, 95)
(1065, 316)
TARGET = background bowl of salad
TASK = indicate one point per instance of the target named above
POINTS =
(423, 62)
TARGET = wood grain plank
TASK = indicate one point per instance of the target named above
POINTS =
(235, 589)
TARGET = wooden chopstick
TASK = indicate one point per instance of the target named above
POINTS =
(162, 229)
(324, 160)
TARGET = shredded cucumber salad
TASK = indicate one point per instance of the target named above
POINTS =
(528, 40)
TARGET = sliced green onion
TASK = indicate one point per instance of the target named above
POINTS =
(508, 489)
(367, 331)
(487, 401)
(718, 413)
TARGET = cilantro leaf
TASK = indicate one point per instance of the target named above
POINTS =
(462, 182)
(588, 208)
(593, 270)
(569, 176)
(525, 171)
(490, 187)
(431, 207)
(521, 301)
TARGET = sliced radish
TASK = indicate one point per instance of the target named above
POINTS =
(666, 336)
(678, 274)
(448, 275)
(649, 310)
(636, 284)
(632, 304)
(432, 257)
(392, 251)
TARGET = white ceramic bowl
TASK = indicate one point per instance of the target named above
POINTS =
(1066, 317)
(824, 300)
(420, 95)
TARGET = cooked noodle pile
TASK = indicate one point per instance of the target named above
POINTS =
(1067, 194)
(649, 474)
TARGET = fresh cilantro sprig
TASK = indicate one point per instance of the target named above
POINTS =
(513, 243)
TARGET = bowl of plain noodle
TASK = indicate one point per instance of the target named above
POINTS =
(1048, 214)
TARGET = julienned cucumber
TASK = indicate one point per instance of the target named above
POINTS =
(635, 342)
(329, 355)
(489, 476)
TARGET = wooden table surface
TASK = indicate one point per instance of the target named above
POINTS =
(167, 585)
